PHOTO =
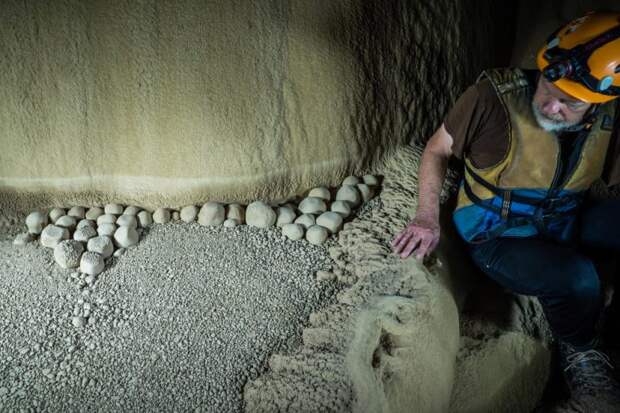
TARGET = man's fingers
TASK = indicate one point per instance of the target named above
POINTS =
(413, 243)
(424, 247)
(398, 237)
(402, 242)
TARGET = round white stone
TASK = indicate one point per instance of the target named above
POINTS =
(351, 180)
(306, 220)
(341, 207)
(145, 219)
(102, 245)
(259, 214)
(106, 229)
(312, 205)
(66, 222)
(114, 209)
(52, 235)
(23, 239)
(212, 213)
(86, 223)
(94, 213)
(36, 221)
(67, 253)
(131, 210)
(78, 321)
(119, 252)
(316, 235)
(127, 221)
(330, 220)
(230, 223)
(189, 213)
(85, 233)
(320, 192)
(236, 212)
(370, 180)
(106, 219)
(77, 212)
(161, 216)
(350, 194)
(365, 191)
(293, 231)
(91, 263)
(56, 213)
(126, 237)
(285, 215)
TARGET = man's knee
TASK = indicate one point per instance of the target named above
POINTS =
(582, 281)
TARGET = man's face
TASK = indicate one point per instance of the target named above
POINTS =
(555, 110)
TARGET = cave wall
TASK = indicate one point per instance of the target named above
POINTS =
(173, 103)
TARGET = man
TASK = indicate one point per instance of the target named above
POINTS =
(533, 142)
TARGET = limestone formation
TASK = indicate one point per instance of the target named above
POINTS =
(330, 220)
(114, 209)
(35, 222)
(52, 235)
(77, 212)
(161, 216)
(67, 253)
(131, 210)
(259, 214)
(84, 233)
(106, 229)
(91, 263)
(126, 237)
(127, 221)
(86, 223)
(211, 214)
(351, 180)
(94, 213)
(293, 231)
(23, 239)
(66, 221)
(145, 219)
(370, 180)
(316, 235)
(306, 220)
(320, 192)
(102, 245)
(365, 192)
(350, 194)
(106, 219)
(312, 205)
(230, 223)
(341, 207)
(285, 215)
(56, 213)
(236, 211)
(189, 213)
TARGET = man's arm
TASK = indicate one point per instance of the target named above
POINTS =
(422, 234)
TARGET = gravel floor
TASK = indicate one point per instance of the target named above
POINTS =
(180, 322)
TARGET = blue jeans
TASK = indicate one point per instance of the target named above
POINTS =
(561, 276)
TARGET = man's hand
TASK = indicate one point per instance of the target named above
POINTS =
(420, 236)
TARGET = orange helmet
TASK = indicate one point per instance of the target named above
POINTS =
(583, 58)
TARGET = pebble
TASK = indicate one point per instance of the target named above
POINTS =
(330, 220)
(77, 212)
(85, 233)
(320, 192)
(67, 253)
(126, 237)
(365, 191)
(312, 205)
(161, 216)
(127, 221)
(370, 180)
(176, 216)
(293, 231)
(131, 210)
(106, 229)
(78, 321)
(316, 235)
(259, 214)
(236, 211)
(87, 223)
(35, 222)
(350, 194)
(56, 213)
(351, 180)
(66, 221)
(306, 220)
(23, 239)
(230, 223)
(114, 209)
(101, 245)
(106, 219)
(119, 252)
(341, 207)
(189, 213)
(52, 235)
(91, 263)
(212, 213)
(325, 276)
(285, 215)
(94, 213)
(145, 219)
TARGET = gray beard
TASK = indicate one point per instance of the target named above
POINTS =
(550, 125)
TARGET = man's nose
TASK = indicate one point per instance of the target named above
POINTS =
(551, 106)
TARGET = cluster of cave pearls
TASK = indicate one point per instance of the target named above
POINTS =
(157, 105)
